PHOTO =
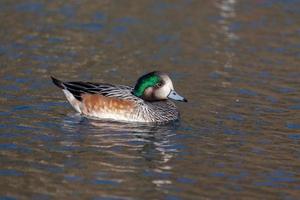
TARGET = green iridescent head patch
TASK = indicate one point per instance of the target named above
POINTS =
(144, 82)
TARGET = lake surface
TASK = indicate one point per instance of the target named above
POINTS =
(237, 62)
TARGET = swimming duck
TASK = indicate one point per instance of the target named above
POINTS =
(148, 101)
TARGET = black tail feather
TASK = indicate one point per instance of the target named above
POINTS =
(58, 83)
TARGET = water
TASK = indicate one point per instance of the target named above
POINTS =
(237, 62)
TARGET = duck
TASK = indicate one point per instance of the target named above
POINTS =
(149, 101)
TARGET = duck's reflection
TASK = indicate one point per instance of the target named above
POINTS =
(144, 151)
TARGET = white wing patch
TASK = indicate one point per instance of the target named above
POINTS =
(73, 101)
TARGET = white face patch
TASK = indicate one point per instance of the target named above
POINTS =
(164, 91)
(167, 90)
(168, 82)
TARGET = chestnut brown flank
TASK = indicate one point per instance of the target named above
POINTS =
(100, 103)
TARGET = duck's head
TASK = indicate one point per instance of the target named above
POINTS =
(156, 86)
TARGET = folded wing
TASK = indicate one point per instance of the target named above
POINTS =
(78, 89)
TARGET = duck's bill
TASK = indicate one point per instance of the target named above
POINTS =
(175, 96)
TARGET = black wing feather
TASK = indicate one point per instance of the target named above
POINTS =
(79, 88)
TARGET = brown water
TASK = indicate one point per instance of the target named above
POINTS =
(237, 62)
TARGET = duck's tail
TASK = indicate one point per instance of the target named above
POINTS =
(58, 83)
(70, 96)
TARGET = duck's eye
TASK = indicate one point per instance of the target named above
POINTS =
(158, 84)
